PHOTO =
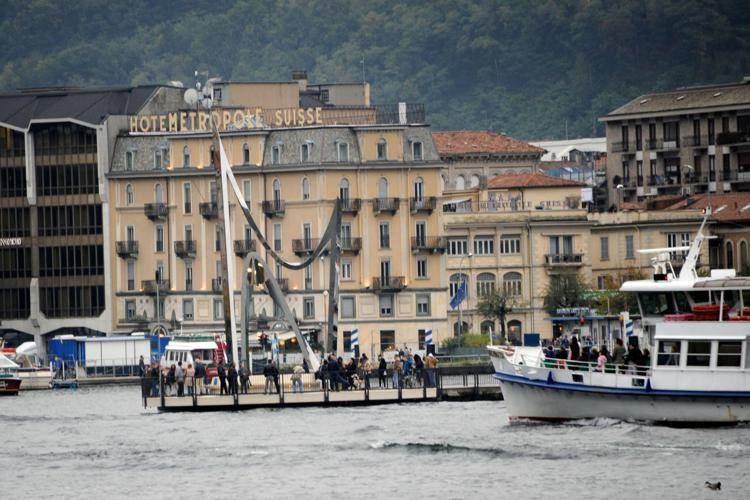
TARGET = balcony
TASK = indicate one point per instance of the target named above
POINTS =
(422, 205)
(351, 206)
(351, 245)
(671, 144)
(621, 147)
(156, 211)
(388, 284)
(244, 247)
(653, 144)
(150, 286)
(185, 249)
(385, 205)
(273, 208)
(570, 259)
(127, 249)
(217, 285)
(305, 245)
(428, 244)
(209, 210)
(733, 138)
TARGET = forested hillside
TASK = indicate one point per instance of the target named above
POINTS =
(520, 67)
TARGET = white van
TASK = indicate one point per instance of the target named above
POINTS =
(189, 351)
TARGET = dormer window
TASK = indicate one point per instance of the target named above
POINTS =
(416, 150)
(382, 149)
(245, 154)
(304, 151)
(158, 160)
(276, 154)
(129, 160)
(343, 151)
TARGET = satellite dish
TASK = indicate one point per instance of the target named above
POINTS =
(191, 97)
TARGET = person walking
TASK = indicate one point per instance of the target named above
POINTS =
(222, 372)
(190, 379)
(297, 372)
(382, 372)
(179, 376)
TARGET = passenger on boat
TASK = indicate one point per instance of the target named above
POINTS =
(575, 349)
(154, 376)
(170, 380)
(634, 359)
(601, 360)
(190, 379)
(179, 376)
(549, 352)
(222, 372)
(618, 353)
(646, 357)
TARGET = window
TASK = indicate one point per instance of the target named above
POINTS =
(385, 270)
(309, 308)
(344, 189)
(276, 190)
(455, 281)
(386, 305)
(629, 247)
(382, 187)
(158, 160)
(308, 278)
(158, 194)
(561, 245)
(213, 192)
(277, 237)
(346, 235)
(304, 152)
(217, 94)
(129, 309)
(474, 181)
(416, 150)
(423, 304)
(187, 310)
(346, 269)
(347, 341)
(129, 160)
(245, 154)
(343, 151)
(420, 233)
(421, 267)
(678, 240)
(510, 244)
(217, 238)
(348, 307)
(418, 189)
(387, 340)
(487, 327)
(247, 191)
(484, 245)
(604, 247)
(276, 154)
(211, 150)
(187, 198)
(129, 195)
(188, 276)
(512, 284)
(601, 282)
(131, 275)
(712, 168)
(725, 124)
(305, 189)
(485, 284)
(382, 149)
(460, 182)
(159, 238)
(730, 254)
(669, 353)
(186, 156)
(458, 246)
(218, 309)
(385, 235)
(729, 354)
(130, 233)
(421, 338)
(698, 353)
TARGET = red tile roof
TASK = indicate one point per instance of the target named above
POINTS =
(725, 207)
(480, 141)
(535, 180)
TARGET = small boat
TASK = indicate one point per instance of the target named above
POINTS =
(698, 330)
(10, 383)
(63, 379)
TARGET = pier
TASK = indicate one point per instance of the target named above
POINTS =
(449, 383)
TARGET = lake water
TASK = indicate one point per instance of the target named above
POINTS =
(100, 443)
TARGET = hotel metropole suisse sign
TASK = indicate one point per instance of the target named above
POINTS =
(10, 242)
(226, 120)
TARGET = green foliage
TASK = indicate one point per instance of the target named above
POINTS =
(468, 340)
(524, 68)
(496, 306)
(566, 289)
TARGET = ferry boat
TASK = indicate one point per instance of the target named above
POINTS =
(698, 330)
(10, 383)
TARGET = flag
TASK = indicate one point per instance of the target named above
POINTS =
(460, 295)
(355, 338)
(428, 336)
(275, 347)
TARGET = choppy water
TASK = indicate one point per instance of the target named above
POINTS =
(100, 443)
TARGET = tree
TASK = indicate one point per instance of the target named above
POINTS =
(496, 306)
(567, 289)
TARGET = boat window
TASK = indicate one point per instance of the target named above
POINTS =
(683, 302)
(699, 353)
(729, 354)
(656, 304)
(669, 353)
(700, 298)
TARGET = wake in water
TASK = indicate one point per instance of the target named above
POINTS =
(492, 452)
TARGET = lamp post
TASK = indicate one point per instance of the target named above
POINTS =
(325, 323)
(461, 274)
(619, 195)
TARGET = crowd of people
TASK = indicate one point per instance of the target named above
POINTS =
(622, 358)
(406, 370)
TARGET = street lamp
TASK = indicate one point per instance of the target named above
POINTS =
(325, 322)
(619, 195)
(463, 281)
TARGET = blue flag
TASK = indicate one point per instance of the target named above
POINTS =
(460, 295)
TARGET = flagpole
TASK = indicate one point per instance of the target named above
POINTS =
(463, 283)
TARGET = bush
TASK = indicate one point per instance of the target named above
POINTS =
(468, 340)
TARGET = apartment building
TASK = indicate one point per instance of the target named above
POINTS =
(684, 141)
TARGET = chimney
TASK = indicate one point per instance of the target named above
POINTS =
(300, 76)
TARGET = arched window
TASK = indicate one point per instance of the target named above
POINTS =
(474, 181)
(743, 257)
(129, 157)
(512, 284)
(305, 189)
(487, 327)
(245, 154)
(730, 255)
(276, 190)
(382, 149)
(304, 151)
(158, 194)
(418, 189)
(460, 182)
(344, 189)
(460, 331)
(416, 151)
(129, 195)
(186, 156)
(383, 188)
(514, 332)
(454, 282)
(442, 183)
(485, 284)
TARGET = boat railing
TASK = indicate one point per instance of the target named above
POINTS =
(593, 367)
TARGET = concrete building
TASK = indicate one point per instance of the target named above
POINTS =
(473, 156)
(685, 141)
(56, 145)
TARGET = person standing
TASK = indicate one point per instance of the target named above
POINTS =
(179, 376)
(297, 372)
(141, 367)
(190, 379)
(222, 372)
(618, 353)
(575, 349)
(397, 368)
(382, 372)
(268, 373)
(244, 377)
(431, 364)
(275, 375)
(232, 374)
(366, 369)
